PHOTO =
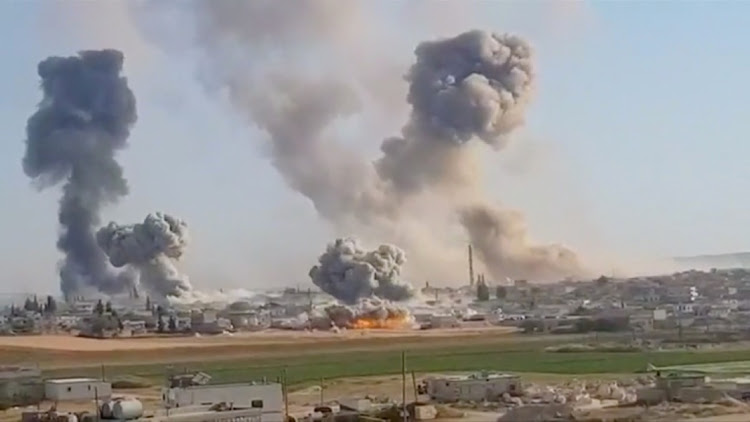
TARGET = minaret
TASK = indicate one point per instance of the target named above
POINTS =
(471, 267)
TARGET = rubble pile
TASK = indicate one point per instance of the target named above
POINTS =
(665, 412)
(578, 395)
(584, 394)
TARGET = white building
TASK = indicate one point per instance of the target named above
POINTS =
(660, 314)
(202, 415)
(475, 387)
(267, 397)
(76, 389)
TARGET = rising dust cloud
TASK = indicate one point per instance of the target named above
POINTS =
(474, 86)
(464, 95)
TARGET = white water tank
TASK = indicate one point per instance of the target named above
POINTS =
(71, 417)
(106, 409)
(127, 409)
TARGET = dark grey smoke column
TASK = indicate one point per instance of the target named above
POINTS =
(151, 247)
(349, 273)
(84, 117)
(474, 85)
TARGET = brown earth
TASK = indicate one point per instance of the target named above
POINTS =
(59, 351)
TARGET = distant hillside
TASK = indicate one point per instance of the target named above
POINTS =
(722, 261)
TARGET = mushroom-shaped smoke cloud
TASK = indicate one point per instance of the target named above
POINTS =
(476, 84)
(348, 272)
(84, 117)
(151, 247)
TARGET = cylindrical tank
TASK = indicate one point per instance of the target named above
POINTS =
(127, 409)
(106, 410)
(69, 417)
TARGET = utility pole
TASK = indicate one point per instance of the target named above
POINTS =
(322, 387)
(403, 385)
(286, 396)
(471, 267)
(414, 384)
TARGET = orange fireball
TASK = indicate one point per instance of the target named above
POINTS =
(391, 323)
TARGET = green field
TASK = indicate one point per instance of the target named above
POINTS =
(522, 356)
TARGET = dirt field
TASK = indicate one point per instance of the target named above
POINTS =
(70, 343)
(59, 351)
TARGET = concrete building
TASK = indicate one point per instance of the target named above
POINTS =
(444, 321)
(267, 397)
(205, 415)
(20, 386)
(475, 387)
(76, 389)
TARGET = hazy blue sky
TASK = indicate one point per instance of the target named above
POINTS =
(636, 143)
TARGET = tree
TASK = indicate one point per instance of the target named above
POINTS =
(483, 292)
(108, 307)
(172, 324)
(160, 319)
(28, 305)
(51, 306)
(501, 292)
(602, 281)
(99, 308)
(148, 304)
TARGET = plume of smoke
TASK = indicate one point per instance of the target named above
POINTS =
(501, 240)
(474, 85)
(349, 273)
(84, 117)
(152, 247)
(296, 114)
(371, 309)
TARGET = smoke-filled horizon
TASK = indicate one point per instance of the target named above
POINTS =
(151, 247)
(84, 118)
(473, 86)
(350, 273)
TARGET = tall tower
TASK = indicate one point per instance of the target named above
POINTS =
(471, 267)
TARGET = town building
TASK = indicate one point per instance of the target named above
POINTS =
(206, 415)
(268, 397)
(474, 387)
(70, 389)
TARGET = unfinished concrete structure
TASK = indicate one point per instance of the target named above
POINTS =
(267, 398)
(698, 383)
(474, 387)
(20, 386)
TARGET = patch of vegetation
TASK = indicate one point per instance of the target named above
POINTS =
(123, 382)
(521, 356)
(603, 348)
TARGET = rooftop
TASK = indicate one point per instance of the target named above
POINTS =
(476, 376)
(71, 380)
